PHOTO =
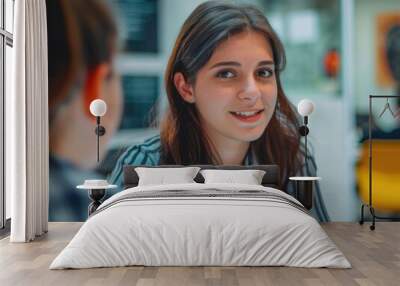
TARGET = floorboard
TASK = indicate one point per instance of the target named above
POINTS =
(374, 255)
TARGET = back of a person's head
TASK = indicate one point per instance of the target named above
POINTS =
(81, 36)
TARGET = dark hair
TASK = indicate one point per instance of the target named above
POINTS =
(183, 141)
(81, 35)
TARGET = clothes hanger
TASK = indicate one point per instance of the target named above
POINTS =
(387, 106)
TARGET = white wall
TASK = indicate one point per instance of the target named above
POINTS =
(333, 134)
(335, 158)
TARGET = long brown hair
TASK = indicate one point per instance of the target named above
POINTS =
(183, 140)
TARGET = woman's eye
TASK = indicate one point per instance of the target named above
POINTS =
(226, 74)
(265, 73)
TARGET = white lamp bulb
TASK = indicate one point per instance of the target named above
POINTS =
(98, 107)
(305, 107)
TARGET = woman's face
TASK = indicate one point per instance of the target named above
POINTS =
(236, 91)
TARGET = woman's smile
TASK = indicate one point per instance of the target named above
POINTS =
(249, 116)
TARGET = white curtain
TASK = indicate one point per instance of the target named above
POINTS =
(27, 148)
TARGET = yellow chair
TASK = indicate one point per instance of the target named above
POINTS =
(385, 175)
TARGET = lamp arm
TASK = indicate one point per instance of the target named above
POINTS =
(304, 132)
(305, 152)
(98, 137)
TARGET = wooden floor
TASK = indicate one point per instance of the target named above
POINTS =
(374, 255)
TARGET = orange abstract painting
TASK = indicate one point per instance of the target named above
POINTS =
(387, 51)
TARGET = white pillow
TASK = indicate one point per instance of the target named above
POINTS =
(162, 176)
(248, 177)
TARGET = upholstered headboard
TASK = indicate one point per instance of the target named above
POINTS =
(270, 179)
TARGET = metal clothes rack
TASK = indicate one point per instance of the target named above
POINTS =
(369, 205)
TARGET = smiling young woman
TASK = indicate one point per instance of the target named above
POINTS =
(234, 96)
(226, 101)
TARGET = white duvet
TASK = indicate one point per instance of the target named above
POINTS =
(183, 231)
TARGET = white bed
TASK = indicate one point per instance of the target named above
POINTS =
(249, 225)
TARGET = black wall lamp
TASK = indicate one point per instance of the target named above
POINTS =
(98, 108)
